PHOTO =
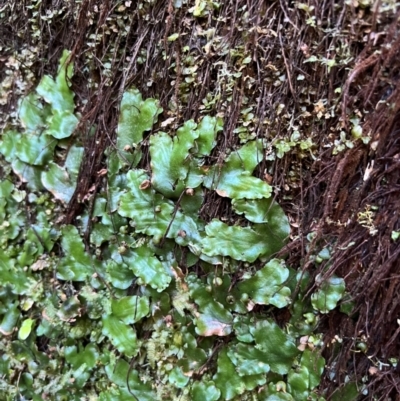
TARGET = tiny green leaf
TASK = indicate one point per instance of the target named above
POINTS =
(226, 379)
(35, 149)
(258, 210)
(145, 265)
(10, 319)
(11, 275)
(395, 235)
(122, 336)
(234, 179)
(315, 364)
(213, 318)
(177, 378)
(77, 264)
(329, 294)
(8, 145)
(121, 276)
(207, 129)
(29, 174)
(240, 243)
(170, 160)
(6, 188)
(62, 124)
(248, 359)
(298, 382)
(199, 9)
(275, 232)
(208, 325)
(57, 92)
(173, 37)
(229, 382)
(57, 180)
(130, 309)
(280, 348)
(202, 391)
(237, 184)
(73, 160)
(61, 181)
(88, 355)
(241, 326)
(119, 374)
(32, 113)
(266, 286)
(136, 117)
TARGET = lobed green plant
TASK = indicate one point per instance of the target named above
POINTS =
(165, 305)
(45, 156)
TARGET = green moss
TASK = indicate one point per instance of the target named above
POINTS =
(154, 281)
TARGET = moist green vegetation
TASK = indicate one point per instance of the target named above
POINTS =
(159, 303)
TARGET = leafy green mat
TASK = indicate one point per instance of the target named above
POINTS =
(164, 305)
